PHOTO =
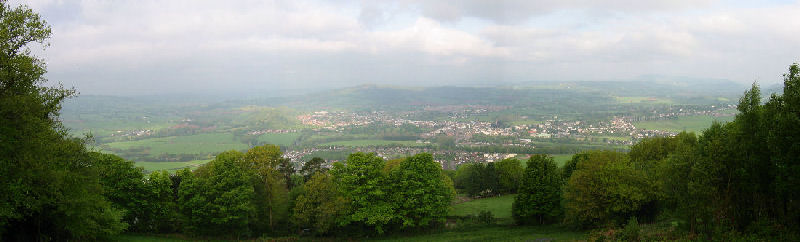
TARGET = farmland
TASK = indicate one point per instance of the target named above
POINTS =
(684, 123)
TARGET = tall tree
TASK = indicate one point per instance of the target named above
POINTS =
(320, 205)
(419, 191)
(606, 189)
(361, 179)
(50, 189)
(509, 175)
(539, 197)
(311, 167)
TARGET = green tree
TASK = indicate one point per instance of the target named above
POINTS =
(270, 185)
(539, 197)
(218, 198)
(509, 175)
(124, 186)
(320, 204)
(163, 208)
(606, 189)
(51, 191)
(420, 192)
(362, 181)
(572, 164)
(311, 167)
(469, 177)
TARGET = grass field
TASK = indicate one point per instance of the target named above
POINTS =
(369, 142)
(643, 100)
(192, 144)
(285, 139)
(561, 159)
(688, 123)
(499, 206)
(169, 166)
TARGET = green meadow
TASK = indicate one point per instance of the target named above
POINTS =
(371, 142)
(193, 144)
(170, 166)
(684, 123)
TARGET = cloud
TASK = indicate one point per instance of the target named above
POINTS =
(137, 47)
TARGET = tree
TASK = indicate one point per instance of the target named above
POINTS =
(572, 164)
(218, 198)
(509, 175)
(51, 191)
(270, 184)
(469, 177)
(606, 189)
(539, 197)
(311, 167)
(420, 192)
(362, 181)
(124, 186)
(163, 209)
(320, 204)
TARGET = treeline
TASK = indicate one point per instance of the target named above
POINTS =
(735, 181)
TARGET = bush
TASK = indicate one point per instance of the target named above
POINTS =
(631, 230)
(486, 217)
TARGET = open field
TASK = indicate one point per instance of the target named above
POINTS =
(499, 206)
(170, 166)
(688, 123)
(285, 139)
(369, 142)
(652, 100)
(561, 159)
(192, 144)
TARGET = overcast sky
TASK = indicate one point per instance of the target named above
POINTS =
(154, 47)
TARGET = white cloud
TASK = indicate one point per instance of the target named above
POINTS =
(102, 45)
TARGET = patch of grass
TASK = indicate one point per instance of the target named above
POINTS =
(192, 144)
(688, 123)
(651, 100)
(561, 159)
(496, 233)
(370, 142)
(171, 166)
(284, 139)
(499, 206)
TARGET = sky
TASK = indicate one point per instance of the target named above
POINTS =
(143, 47)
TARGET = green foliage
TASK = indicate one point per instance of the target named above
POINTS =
(124, 186)
(631, 230)
(539, 195)
(51, 189)
(362, 181)
(312, 167)
(509, 175)
(218, 199)
(320, 205)
(606, 189)
(572, 164)
(161, 200)
(419, 192)
(486, 217)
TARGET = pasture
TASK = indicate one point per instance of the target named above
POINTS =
(285, 139)
(207, 143)
(684, 123)
(500, 207)
(171, 166)
(372, 142)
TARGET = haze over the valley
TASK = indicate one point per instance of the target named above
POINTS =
(161, 47)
